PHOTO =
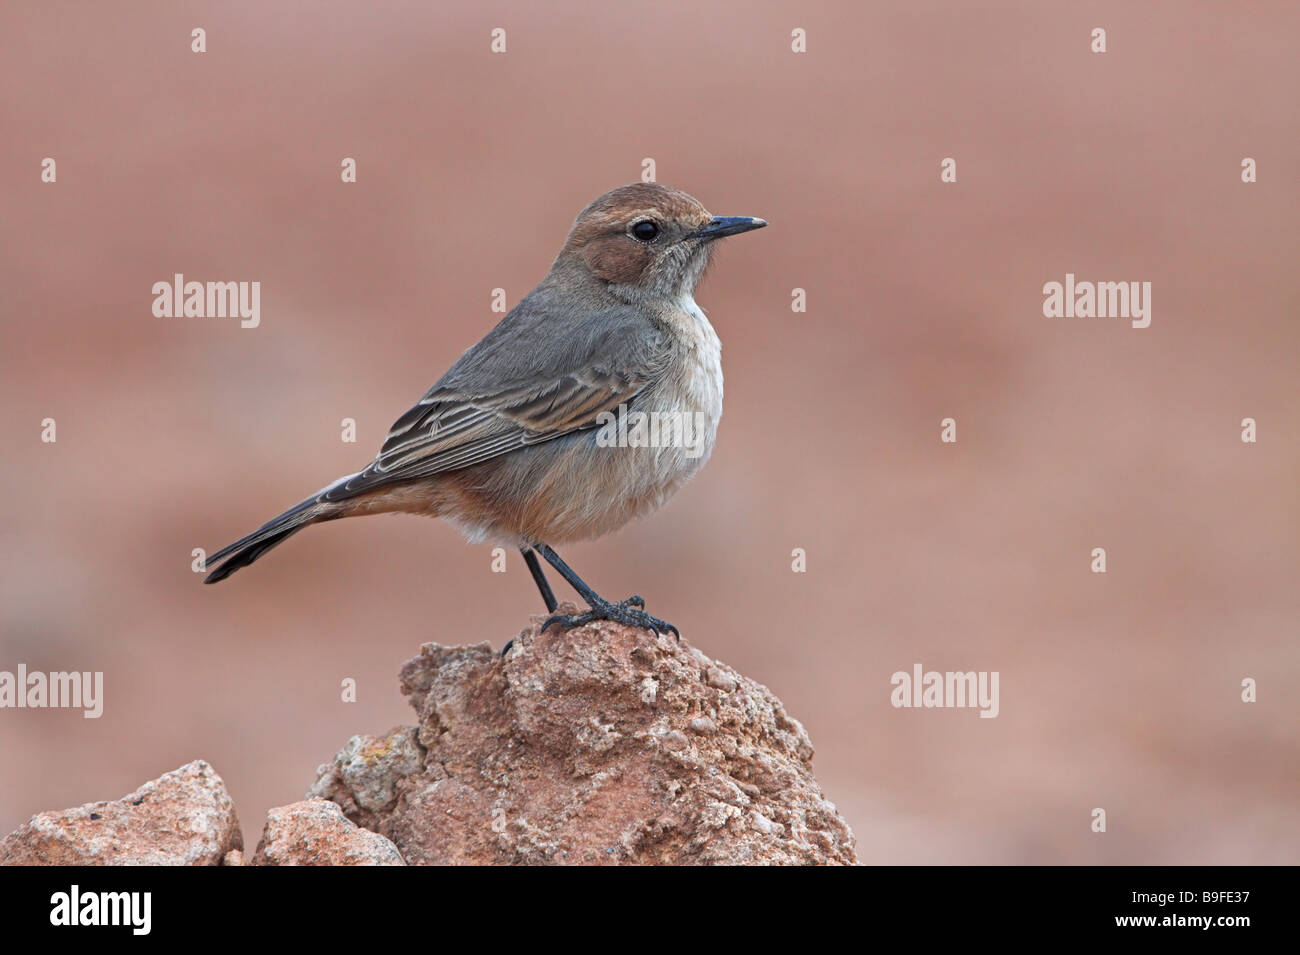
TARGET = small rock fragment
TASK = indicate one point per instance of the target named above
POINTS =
(316, 832)
(704, 725)
(185, 817)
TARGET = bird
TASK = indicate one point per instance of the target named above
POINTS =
(513, 445)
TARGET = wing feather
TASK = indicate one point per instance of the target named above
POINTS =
(488, 404)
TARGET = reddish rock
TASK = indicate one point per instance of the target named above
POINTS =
(368, 769)
(603, 744)
(316, 832)
(184, 817)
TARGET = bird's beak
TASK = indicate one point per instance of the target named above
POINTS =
(728, 225)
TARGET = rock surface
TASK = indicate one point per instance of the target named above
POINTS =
(316, 832)
(605, 744)
(184, 817)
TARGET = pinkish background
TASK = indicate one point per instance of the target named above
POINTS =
(1119, 691)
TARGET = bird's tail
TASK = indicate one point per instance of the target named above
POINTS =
(275, 531)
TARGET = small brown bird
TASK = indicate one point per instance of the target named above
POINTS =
(526, 439)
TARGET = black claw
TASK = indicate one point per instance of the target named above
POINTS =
(628, 613)
(566, 621)
(506, 648)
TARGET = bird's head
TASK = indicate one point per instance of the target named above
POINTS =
(645, 239)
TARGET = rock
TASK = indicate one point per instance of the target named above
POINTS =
(366, 771)
(316, 832)
(603, 744)
(184, 817)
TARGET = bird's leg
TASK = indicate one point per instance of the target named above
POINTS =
(630, 612)
(543, 585)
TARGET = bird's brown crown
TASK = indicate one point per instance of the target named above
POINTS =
(638, 235)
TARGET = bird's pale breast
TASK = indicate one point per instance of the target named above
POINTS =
(582, 486)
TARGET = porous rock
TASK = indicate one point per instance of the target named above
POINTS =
(316, 832)
(600, 744)
(185, 817)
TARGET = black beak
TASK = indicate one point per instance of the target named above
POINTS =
(728, 225)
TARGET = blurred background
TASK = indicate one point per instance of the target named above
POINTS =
(924, 301)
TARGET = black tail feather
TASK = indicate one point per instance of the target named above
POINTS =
(249, 554)
(247, 549)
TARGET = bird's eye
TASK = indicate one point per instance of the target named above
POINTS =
(645, 230)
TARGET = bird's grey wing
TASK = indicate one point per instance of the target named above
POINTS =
(534, 378)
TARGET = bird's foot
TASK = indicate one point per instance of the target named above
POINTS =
(630, 612)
